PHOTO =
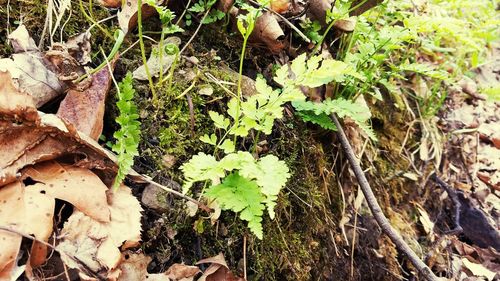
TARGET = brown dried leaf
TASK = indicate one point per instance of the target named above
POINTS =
(21, 41)
(218, 270)
(39, 219)
(133, 267)
(11, 215)
(26, 210)
(97, 244)
(30, 72)
(28, 143)
(127, 17)
(268, 31)
(14, 103)
(85, 109)
(182, 272)
(280, 6)
(78, 186)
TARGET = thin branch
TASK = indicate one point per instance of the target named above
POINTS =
(173, 191)
(379, 216)
(195, 32)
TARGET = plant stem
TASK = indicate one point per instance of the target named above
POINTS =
(92, 20)
(160, 55)
(240, 78)
(119, 36)
(379, 216)
(143, 52)
(171, 71)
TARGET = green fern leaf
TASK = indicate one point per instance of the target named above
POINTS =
(128, 137)
(322, 119)
(201, 167)
(243, 196)
(343, 108)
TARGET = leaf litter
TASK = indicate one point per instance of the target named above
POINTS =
(49, 158)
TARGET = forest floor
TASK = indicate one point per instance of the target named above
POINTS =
(436, 173)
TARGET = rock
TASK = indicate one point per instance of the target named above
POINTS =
(156, 198)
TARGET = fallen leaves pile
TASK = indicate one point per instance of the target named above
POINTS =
(51, 164)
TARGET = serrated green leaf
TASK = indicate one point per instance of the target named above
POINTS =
(201, 167)
(227, 145)
(242, 195)
(127, 138)
(212, 139)
(219, 120)
(322, 119)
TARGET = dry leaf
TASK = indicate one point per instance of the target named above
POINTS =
(182, 272)
(85, 108)
(97, 244)
(21, 41)
(154, 60)
(425, 220)
(26, 210)
(11, 215)
(14, 103)
(39, 219)
(268, 31)
(30, 72)
(478, 269)
(133, 267)
(127, 17)
(218, 270)
(28, 143)
(280, 6)
(78, 186)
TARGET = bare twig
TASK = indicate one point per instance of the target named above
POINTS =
(170, 190)
(379, 216)
(195, 32)
(245, 257)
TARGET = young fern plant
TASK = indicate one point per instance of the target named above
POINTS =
(127, 138)
(249, 185)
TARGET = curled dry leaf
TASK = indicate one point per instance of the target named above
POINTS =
(218, 270)
(127, 17)
(31, 73)
(98, 244)
(280, 6)
(12, 102)
(317, 10)
(268, 31)
(110, 3)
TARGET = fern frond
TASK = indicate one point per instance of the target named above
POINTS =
(321, 120)
(240, 195)
(343, 108)
(127, 138)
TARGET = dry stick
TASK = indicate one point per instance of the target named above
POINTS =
(84, 268)
(376, 210)
(175, 192)
(195, 32)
